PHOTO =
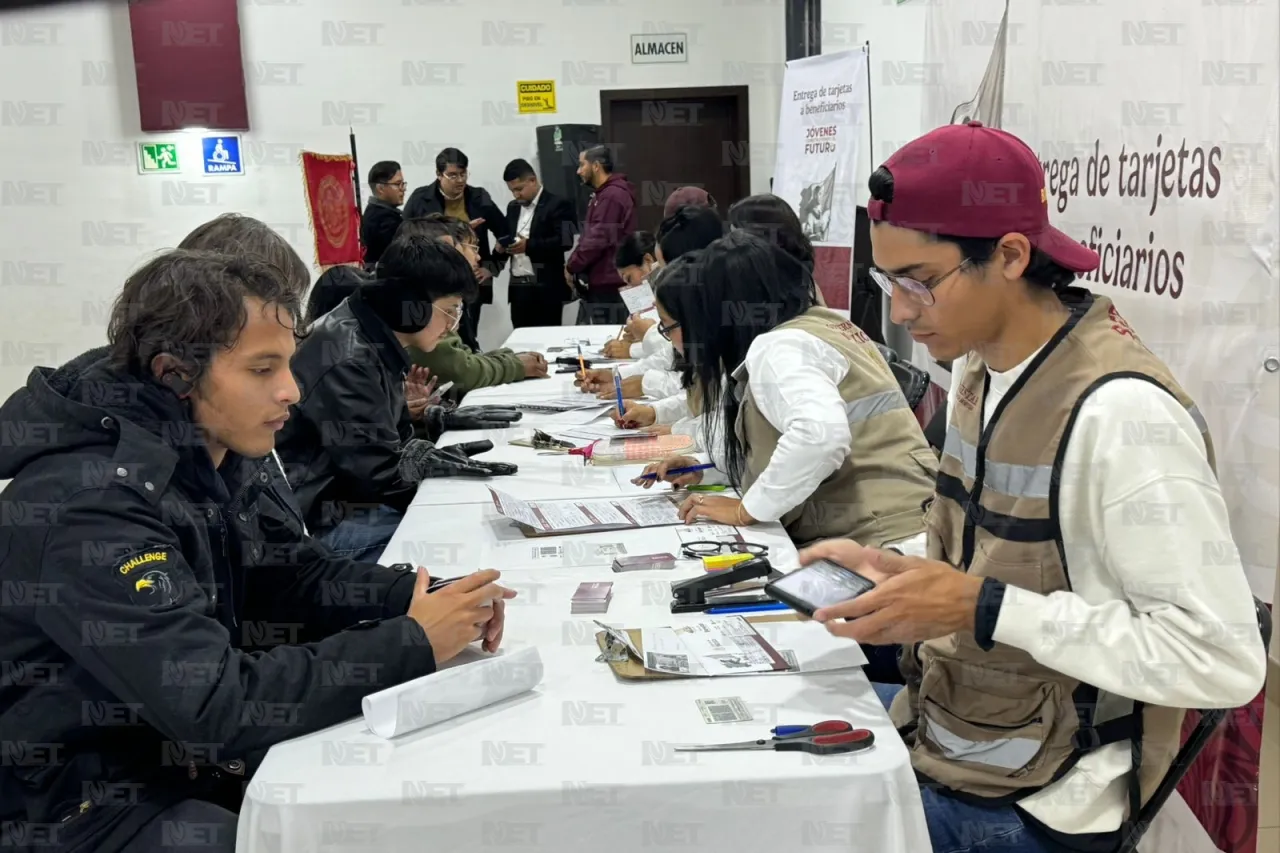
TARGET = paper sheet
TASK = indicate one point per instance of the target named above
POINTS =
(451, 692)
(692, 650)
(709, 533)
(656, 511)
(568, 516)
(603, 430)
(638, 299)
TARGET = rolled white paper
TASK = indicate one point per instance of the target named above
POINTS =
(451, 692)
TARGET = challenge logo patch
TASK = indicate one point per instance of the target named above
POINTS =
(142, 560)
(154, 583)
(148, 579)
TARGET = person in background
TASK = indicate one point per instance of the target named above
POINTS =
(543, 226)
(687, 230)
(635, 260)
(451, 195)
(769, 217)
(452, 360)
(814, 429)
(688, 197)
(330, 290)
(1049, 643)
(332, 287)
(350, 447)
(611, 217)
(236, 234)
(187, 545)
(382, 214)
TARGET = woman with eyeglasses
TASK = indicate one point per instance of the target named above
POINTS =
(815, 431)
(344, 444)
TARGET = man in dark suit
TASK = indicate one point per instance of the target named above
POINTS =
(382, 215)
(451, 195)
(542, 225)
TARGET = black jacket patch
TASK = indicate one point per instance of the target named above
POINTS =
(147, 577)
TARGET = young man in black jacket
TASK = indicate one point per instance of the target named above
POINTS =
(381, 215)
(350, 451)
(148, 554)
(542, 226)
(451, 195)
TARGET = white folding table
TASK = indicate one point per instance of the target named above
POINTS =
(585, 761)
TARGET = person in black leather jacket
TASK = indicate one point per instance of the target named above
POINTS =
(350, 451)
(165, 620)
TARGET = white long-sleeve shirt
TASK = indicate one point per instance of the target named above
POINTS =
(793, 378)
(672, 408)
(651, 344)
(1151, 616)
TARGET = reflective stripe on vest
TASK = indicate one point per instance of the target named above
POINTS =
(1018, 481)
(865, 408)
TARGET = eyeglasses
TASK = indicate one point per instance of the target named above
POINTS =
(455, 317)
(920, 291)
(397, 184)
(457, 177)
(710, 549)
(666, 331)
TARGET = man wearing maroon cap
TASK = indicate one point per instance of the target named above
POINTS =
(1063, 580)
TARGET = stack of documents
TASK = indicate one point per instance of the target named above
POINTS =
(544, 517)
(592, 597)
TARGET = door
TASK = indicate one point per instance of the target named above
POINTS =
(663, 139)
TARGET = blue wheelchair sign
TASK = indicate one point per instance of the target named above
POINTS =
(221, 155)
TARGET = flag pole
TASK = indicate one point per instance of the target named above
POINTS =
(871, 131)
(355, 168)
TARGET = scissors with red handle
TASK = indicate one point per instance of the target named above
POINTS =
(830, 737)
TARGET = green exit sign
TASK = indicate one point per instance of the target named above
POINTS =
(157, 157)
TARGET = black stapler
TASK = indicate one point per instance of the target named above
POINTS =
(690, 596)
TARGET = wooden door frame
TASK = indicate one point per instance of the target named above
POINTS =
(741, 172)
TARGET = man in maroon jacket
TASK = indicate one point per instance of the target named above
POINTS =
(611, 218)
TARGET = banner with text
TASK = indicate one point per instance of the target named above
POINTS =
(1156, 124)
(824, 102)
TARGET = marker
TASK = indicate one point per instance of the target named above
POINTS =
(749, 608)
(698, 487)
(689, 469)
(617, 386)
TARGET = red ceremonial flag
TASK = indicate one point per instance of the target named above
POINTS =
(331, 206)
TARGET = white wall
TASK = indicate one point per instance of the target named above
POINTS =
(417, 76)
(897, 70)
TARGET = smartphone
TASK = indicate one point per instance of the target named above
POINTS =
(819, 584)
(507, 240)
(444, 389)
(643, 562)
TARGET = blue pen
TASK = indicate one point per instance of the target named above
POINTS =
(617, 386)
(748, 608)
(689, 469)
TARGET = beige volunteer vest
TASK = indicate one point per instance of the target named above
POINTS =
(995, 724)
(878, 494)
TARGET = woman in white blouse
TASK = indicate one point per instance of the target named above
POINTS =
(809, 422)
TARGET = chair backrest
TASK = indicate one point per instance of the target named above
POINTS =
(1195, 743)
(913, 381)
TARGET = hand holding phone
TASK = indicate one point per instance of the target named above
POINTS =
(820, 584)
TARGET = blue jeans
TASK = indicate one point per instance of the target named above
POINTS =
(956, 827)
(366, 537)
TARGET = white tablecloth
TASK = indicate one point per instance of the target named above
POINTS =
(585, 761)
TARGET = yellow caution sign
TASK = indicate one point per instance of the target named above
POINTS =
(536, 96)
